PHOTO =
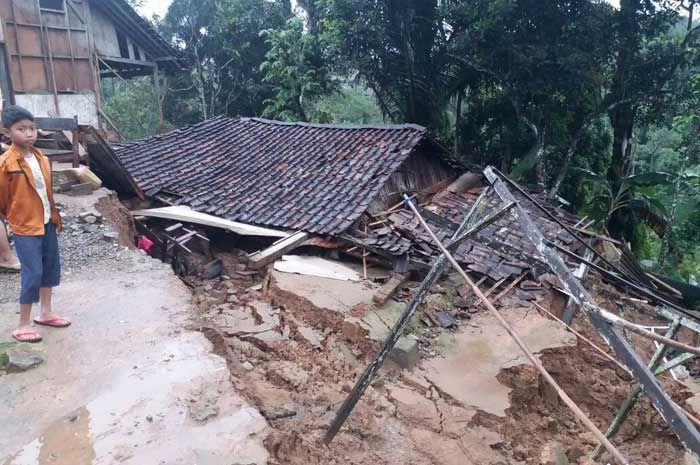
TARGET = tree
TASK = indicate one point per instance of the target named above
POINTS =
(222, 39)
(646, 63)
(397, 48)
(297, 71)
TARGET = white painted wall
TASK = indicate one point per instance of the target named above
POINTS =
(41, 105)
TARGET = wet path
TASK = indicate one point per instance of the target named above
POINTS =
(127, 383)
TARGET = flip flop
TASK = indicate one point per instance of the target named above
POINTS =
(54, 322)
(27, 335)
(14, 268)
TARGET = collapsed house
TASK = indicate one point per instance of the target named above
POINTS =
(340, 188)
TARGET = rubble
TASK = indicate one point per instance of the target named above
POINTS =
(298, 330)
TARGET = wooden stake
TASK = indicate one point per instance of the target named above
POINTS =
(619, 458)
(364, 258)
(583, 338)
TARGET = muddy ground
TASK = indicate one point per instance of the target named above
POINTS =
(141, 387)
(406, 416)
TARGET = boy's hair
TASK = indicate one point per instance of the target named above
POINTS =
(13, 114)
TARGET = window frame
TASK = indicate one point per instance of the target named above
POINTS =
(53, 10)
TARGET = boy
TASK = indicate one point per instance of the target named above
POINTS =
(26, 202)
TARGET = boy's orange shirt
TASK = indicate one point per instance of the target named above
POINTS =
(20, 203)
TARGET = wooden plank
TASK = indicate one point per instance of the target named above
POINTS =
(265, 257)
(316, 266)
(388, 289)
(183, 213)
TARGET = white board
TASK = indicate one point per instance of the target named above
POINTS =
(186, 214)
(315, 266)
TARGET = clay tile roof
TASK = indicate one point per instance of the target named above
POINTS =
(317, 178)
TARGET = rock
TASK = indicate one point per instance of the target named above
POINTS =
(247, 366)
(18, 359)
(405, 352)
(80, 189)
(110, 236)
(553, 454)
(217, 297)
(288, 373)
(311, 336)
(90, 217)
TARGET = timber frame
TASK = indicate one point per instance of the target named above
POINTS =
(53, 54)
(672, 414)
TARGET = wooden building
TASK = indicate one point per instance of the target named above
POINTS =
(53, 54)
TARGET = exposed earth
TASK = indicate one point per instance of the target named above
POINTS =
(249, 368)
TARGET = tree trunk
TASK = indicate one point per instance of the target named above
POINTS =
(541, 161)
(666, 238)
(622, 117)
(458, 121)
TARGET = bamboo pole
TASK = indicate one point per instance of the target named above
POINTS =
(583, 338)
(619, 458)
(616, 320)
(631, 400)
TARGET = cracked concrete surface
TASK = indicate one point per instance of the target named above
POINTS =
(122, 384)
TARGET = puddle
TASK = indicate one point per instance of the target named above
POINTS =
(65, 442)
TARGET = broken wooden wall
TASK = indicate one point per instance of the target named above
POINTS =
(420, 172)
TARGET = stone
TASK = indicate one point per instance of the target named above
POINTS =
(217, 296)
(90, 216)
(18, 359)
(247, 366)
(310, 336)
(110, 236)
(405, 352)
(80, 189)
(553, 454)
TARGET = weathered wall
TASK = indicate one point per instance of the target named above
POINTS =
(105, 36)
(84, 105)
(420, 171)
(49, 50)
(104, 33)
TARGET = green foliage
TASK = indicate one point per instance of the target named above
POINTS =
(689, 267)
(593, 103)
(349, 105)
(295, 68)
(132, 106)
(222, 39)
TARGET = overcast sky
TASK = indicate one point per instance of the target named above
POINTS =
(159, 7)
(154, 7)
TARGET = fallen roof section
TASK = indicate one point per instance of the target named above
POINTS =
(186, 214)
(310, 177)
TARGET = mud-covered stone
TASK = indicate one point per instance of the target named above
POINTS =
(405, 352)
(17, 360)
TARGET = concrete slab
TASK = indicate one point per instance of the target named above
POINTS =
(117, 385)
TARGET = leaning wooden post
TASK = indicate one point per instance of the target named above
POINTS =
(462, 233)
(619, 458)
(637, 391)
